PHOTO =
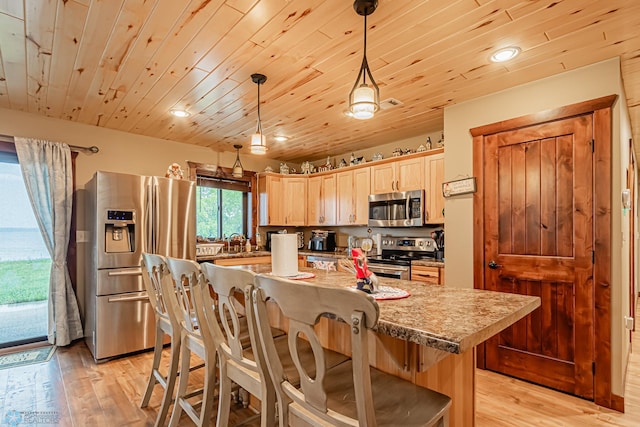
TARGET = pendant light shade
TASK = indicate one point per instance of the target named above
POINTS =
(237, 171)
(258, 140)
(364, 98)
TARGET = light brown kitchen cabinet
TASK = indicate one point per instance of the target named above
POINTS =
(428, 274)
(270, 200)
(352, 196)
(401, 175)
(279, 198)
(434, 174)
(294, 193)
(321, 200)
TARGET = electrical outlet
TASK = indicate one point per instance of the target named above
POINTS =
(628, 322)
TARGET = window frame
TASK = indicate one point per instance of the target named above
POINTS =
(206, 170)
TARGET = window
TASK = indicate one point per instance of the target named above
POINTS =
(223, 204)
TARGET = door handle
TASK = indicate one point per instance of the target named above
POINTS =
(493, 265)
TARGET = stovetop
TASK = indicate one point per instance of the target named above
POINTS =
(402, 250)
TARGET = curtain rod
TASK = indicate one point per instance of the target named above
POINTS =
(92, 149)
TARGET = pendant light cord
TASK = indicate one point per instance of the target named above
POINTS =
(259, 120)
(364, 58)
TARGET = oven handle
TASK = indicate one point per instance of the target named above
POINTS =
(386, 269)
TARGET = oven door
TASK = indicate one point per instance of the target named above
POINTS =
(391, 271)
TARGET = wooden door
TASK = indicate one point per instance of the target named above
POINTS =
(410, 175)
(361, 189)
(539, 241)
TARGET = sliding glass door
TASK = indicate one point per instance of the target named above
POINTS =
(24, 262)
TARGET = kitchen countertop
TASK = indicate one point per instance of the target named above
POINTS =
(449, 319)
(336, 255)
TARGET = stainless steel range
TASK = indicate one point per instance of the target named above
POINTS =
(397, 254)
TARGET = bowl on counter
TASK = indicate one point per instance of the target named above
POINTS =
(208, 248)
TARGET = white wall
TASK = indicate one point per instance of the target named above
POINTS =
(583, 84)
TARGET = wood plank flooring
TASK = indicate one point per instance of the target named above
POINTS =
(72, 390)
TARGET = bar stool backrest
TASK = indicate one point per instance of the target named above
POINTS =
(303, 304)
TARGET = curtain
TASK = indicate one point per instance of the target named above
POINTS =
(46, 169)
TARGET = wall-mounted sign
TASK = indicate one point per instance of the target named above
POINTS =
(460, 186)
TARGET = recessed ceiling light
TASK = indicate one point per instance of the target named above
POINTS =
(505, 54)
(280, 138)
(180, 113)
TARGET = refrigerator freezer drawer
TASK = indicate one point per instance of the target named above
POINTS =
(124, 323)
(119, 280)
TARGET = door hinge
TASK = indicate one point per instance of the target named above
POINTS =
(593, 257)
(593, 367)
(593, 145)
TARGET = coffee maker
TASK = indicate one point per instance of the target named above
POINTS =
(322, 240)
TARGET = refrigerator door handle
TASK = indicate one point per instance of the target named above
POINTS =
(133, 298)
(148, 220)
(126, 272)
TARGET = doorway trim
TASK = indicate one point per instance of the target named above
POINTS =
(601, 108)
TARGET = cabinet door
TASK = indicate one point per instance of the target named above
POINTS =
(328, 195)
(383, 178)
(434, 168)
(361, 190)
(314, 201)
(294, 192)
(426, 274)
(410, 175)
(270, 199)
(344, 198)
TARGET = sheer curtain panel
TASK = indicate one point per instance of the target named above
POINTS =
(46, 169)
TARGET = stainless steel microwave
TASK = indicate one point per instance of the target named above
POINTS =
(401, 209)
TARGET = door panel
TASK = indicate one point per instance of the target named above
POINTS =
(539, 234)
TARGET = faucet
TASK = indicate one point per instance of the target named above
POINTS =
(230, 238)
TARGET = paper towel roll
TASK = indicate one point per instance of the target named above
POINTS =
(284, 254)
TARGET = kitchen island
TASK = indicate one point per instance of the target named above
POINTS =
(430, 337)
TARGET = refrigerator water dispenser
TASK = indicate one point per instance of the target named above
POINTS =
(119, 231)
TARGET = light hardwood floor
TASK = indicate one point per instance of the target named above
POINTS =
(78, 392)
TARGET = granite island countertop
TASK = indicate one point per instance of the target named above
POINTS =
(449, 319)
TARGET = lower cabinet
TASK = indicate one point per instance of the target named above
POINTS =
(428, 274)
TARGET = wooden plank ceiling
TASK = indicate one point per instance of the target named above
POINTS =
(123, 64)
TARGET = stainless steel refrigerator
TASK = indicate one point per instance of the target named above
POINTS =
(129, 215)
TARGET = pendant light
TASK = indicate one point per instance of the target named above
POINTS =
(237, 171)
(258, 140)
(364, 99)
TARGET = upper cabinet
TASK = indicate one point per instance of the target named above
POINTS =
(353, 188)
(280, 199)
(341, 197)
(321, 200)
(434, 173)
(401, 175)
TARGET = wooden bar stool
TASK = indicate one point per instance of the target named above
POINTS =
(352, 393)
(186, 274)
(238, 364)
(154, 273)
